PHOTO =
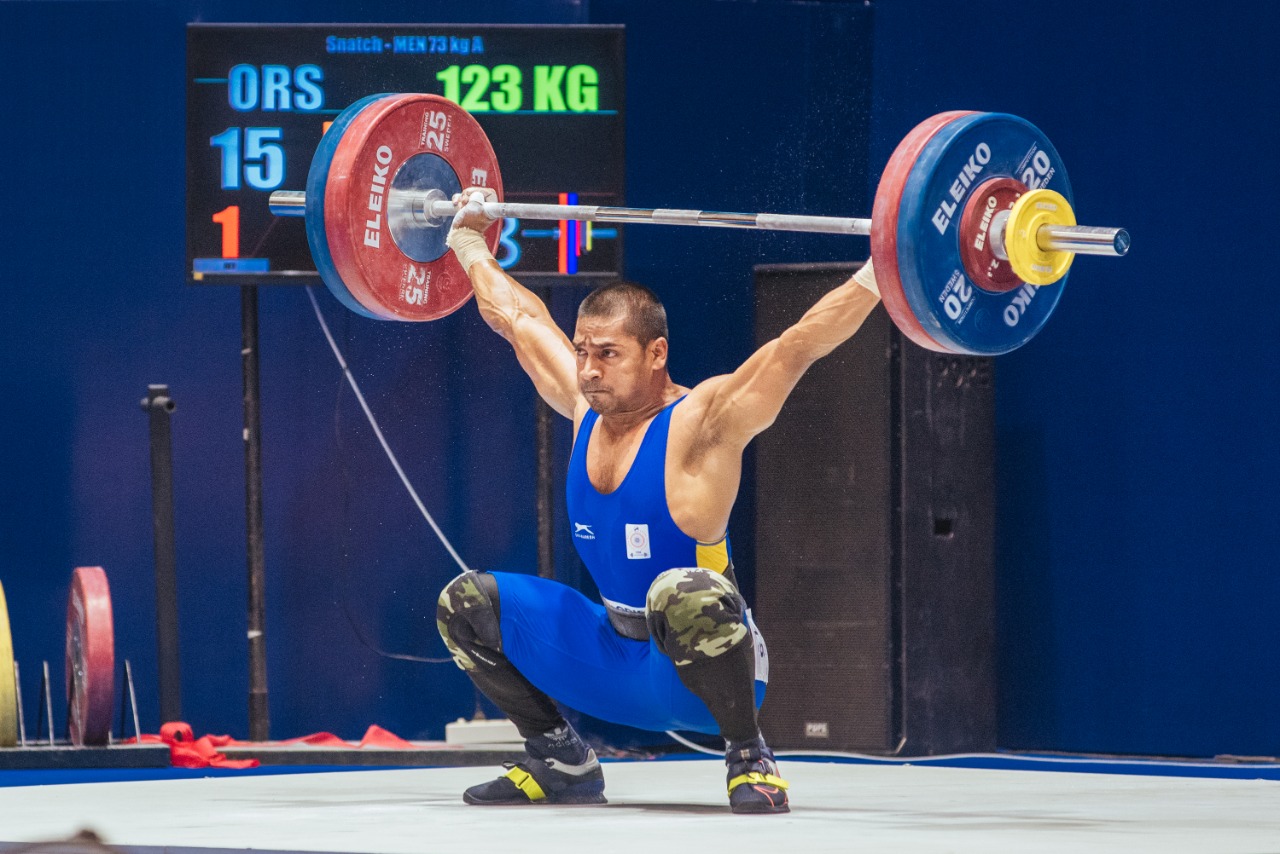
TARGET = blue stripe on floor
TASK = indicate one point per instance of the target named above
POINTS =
(1229, 770)
(1223, 769)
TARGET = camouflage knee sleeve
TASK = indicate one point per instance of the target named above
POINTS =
(467, 616)
(695, 615)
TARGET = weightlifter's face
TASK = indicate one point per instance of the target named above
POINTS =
(616, 373)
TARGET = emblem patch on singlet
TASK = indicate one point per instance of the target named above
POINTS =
(583, 532)
(638, 542)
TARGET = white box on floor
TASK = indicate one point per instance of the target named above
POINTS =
(488, 731)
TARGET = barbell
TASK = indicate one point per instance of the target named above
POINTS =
(972, 216)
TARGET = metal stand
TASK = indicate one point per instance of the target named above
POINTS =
(22, 719)
(129, 704)
(46, 710)
(259, 716)
(49, 752)
(159, 406)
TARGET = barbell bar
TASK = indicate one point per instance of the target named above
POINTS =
(430, 212)
(972, 215)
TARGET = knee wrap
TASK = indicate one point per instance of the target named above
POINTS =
(695, 615)
(467, 616)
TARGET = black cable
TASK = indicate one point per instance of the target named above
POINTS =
(344, 545)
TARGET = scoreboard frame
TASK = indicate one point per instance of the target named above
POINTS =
(551, 99)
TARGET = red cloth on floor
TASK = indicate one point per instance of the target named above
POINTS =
(187, 751)
(374, 736)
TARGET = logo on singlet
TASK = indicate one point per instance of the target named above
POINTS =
(583, 532)
(638, 542)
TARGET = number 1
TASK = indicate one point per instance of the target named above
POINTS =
(229, 219)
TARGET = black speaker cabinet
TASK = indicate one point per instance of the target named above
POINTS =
(874, 541)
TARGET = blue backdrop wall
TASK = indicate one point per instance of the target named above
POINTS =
(1136, 560)
(1136, 553)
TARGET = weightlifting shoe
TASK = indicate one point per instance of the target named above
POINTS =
(559, 769)
(754, 784)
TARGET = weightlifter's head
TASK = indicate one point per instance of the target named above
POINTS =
(621, 343)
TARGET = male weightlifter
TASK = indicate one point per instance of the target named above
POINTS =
(653, 475)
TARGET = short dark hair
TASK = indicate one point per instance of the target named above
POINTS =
(644, 316)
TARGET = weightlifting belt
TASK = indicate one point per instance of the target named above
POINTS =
(627, 620)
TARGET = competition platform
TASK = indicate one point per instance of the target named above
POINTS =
(989, 804)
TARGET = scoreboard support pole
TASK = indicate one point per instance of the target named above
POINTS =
(546, 547)
(545, 499)
(259, 716)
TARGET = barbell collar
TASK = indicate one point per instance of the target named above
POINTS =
(999, 225)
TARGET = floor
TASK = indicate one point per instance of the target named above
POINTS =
(836, 807)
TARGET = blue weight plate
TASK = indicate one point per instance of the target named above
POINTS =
(317, 178)
(951, 307)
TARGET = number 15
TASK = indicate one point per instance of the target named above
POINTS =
(263, 161)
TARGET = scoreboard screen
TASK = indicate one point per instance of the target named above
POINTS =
(550, 99)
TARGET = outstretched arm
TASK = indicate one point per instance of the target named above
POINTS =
(514, 312)
(744, 403)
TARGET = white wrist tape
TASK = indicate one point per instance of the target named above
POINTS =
(866, 276)
(469, 245)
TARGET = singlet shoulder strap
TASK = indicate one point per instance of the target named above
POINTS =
(584, 428)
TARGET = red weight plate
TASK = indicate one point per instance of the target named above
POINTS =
(884, 226)
(91, 658)
(378, 143)
(987, 271)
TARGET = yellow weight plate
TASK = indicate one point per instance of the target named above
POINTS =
(8, 689)
(1033, 210)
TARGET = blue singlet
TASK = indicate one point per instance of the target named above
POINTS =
(564, 644)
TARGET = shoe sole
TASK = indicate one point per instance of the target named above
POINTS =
(757, 809)
(582, 801)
